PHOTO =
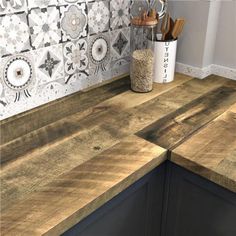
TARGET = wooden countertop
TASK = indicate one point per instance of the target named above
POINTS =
(70, 197)
(69, 150)
(211, 153)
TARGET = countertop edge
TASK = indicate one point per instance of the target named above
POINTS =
(102, 199)
(145, 157)
(203, 171)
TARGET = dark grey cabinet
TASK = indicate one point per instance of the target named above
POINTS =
(134, 212)
(198, 207)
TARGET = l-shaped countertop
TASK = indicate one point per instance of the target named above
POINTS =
(63, 160)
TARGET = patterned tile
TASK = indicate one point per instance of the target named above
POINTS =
(99, 53)
(120, 51)
(41, 3)
(120, 67)
(120, 43)
(52, 48)
(44, 27)
(49, 64)
(98, 16)
(14, 34)
(65, 2)
(120, 16)
(19, 80)
(52, 91)
(73, 21)
(12, 6)
(75, 59)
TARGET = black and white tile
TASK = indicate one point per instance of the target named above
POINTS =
(44, 25)
(120, 16)
(120, 43)
(49, 64)
(76, 61)
(98, 16)
(120, 51)
(99, 53)
(12, 6)
(14, 34)
(52, 48)
(41, 3)
(18, 77)
(73, 21)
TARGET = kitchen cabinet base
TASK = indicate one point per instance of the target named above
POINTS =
(136, 211)
(198, 207)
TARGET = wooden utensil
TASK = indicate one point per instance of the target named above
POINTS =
(165, 25)
(178, 27)
(169, 33)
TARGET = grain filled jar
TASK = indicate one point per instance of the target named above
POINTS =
(143, 35)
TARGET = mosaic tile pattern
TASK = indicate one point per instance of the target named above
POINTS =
(52, 48)
(12, 6)
(98, 16)
(73, 21)
(75, 59)
(14, 34)
(120, 14)
(44, 27)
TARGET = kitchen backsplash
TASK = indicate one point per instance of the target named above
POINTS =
(52, 48)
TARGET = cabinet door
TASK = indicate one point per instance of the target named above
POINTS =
(134, 212)
(198, 207)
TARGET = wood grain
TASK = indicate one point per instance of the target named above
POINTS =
(71, 197)
(102, 127)
(24, 123)
(89, 144)
(92, 133)
(173, 129)
(70, 124)
(212, 152)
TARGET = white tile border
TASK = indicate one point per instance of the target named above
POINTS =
(201, 73)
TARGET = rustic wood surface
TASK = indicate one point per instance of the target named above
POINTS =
(24, 123)
(212, 152)
(114, 100)
(174, 128)
(95, 130)
(72, 196)
(35, 158)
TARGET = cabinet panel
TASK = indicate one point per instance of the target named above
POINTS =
(198, 207)
(134, 212)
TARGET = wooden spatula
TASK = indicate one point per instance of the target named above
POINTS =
(178, 27)
(165, 25)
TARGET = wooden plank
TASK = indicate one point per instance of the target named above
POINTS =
(178, 126)
(99, 130)
(211, 153)
(26, 122)
(71, 124)
(53, 209)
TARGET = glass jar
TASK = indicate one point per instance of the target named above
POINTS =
(142, 57)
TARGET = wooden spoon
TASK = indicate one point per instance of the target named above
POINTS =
(178, 28)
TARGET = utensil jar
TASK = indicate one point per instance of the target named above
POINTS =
(142, 57)
(164, 60)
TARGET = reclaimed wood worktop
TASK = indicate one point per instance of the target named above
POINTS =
(62, 161)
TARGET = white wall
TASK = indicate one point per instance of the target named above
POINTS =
(192, 42)
(225, 47)
(208, 43)
(211, 33)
